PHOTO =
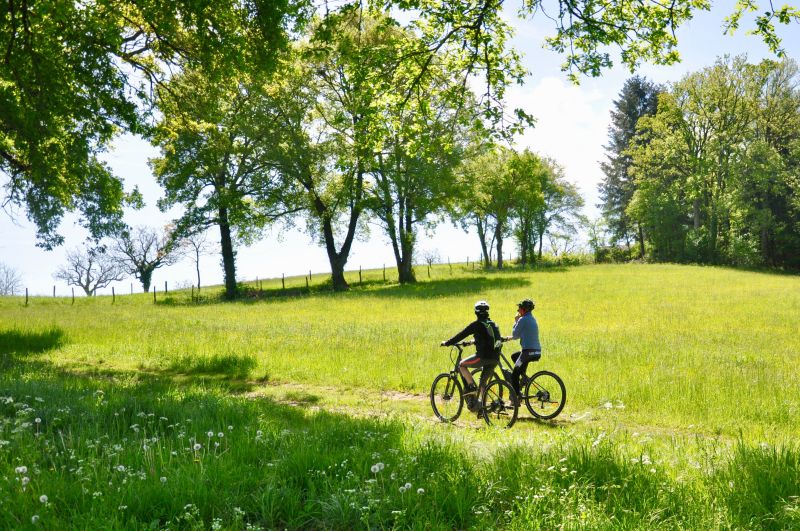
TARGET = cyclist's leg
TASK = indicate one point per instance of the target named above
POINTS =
(464, 367)
(519, 368)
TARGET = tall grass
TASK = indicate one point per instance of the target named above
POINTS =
(681, 413)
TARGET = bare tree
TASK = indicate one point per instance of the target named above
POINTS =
(197, 245)
(90, 269)
(142, 250)
(10, 280)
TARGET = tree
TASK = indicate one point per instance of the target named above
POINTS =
(638, 98)
(562, 204)
(217, 160)
(716, 166)
(90, 269)
(528, 172)
(75, 74)
(197, 245)
(142, 250)
(423, 140)
(10, 280)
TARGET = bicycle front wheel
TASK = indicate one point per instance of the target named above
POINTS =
(447, 398)
(545, 395)
(499, 406)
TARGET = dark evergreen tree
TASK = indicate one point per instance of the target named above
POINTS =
(639, 97)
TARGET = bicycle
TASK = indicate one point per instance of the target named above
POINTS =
(544, 393)
(447, 396)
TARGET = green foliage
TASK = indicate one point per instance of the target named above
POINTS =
(637, 98)
(72, 76)
(716, 167)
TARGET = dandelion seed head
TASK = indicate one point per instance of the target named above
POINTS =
(43, 498)
(21, 470)
(197, 446)
(210, 434)
(163, 479)
(25, 480)
(407, 485)
(220, 435)
(34, 518)
(37, 420)
(420, 491)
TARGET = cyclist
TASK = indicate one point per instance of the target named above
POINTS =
(487, 352)
(526, 329)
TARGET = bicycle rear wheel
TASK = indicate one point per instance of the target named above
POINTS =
(545, 395)
(499, 408)
(447, 398)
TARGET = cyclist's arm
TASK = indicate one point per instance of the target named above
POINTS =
(468, 331)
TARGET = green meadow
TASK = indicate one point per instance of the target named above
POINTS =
(303, 408)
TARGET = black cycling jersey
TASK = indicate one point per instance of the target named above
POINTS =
(485, 332)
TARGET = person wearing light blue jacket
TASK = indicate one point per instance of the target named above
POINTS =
(526, 329)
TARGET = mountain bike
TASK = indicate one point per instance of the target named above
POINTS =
(544, 393)
(447, 395)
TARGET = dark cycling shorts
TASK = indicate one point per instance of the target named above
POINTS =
(474, 362)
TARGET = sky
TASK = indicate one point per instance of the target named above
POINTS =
(571, 127)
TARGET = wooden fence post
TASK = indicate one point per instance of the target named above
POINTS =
(165, 287)
(192, 292)
(359, 274)
(384, 272)
(73, 295)
(54, 291)
(113, 295)
(283, 281)
(26, 296)
(449, 265)
(309, 276)
(154, 294)
(306, 282)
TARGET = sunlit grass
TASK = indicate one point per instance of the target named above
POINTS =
(682, 405)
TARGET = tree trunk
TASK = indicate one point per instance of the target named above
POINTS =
(498, 236)
(696, 213)
(197, 266)
(541, 239)
(482, 237)
(406, 267)
(641, 241)
(228, 254)
(145, 277)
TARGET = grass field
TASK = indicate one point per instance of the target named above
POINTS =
(683, 402)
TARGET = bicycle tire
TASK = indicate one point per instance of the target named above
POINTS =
(545, 395)
(498, 406)
(446, 394)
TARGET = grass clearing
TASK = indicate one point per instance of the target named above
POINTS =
(682, 409)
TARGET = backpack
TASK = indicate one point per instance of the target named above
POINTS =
(494, 335)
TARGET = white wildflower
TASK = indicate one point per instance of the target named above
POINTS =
(210, 434)
(21, 470)
(163, 479)
(197, 446)
(34, 518)
(43, 498)
(420, 491)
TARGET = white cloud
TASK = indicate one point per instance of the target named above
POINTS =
(571, 127)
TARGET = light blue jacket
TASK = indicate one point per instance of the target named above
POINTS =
(526, 329)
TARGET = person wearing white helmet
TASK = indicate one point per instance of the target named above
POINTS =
(488, 341)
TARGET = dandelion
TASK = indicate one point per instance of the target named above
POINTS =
(25, 480)
(197, 446)
(259, 433)
(120, 468)
(420, 491)
(174, 453)
(220, 435)
(402, 489)
(230, 428)
(34, 518)
(210, 434)
(122, 507)
(21, 470)
(37, 420)
(163, 479)
(407, 486)
(43, 498)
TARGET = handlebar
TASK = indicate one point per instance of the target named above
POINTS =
(470, 343)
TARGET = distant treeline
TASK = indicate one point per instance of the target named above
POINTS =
(708, 169)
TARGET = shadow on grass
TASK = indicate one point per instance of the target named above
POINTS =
(16, 344)
(228, 365)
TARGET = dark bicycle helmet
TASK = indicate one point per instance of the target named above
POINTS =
(481, 308)
(526, 304)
